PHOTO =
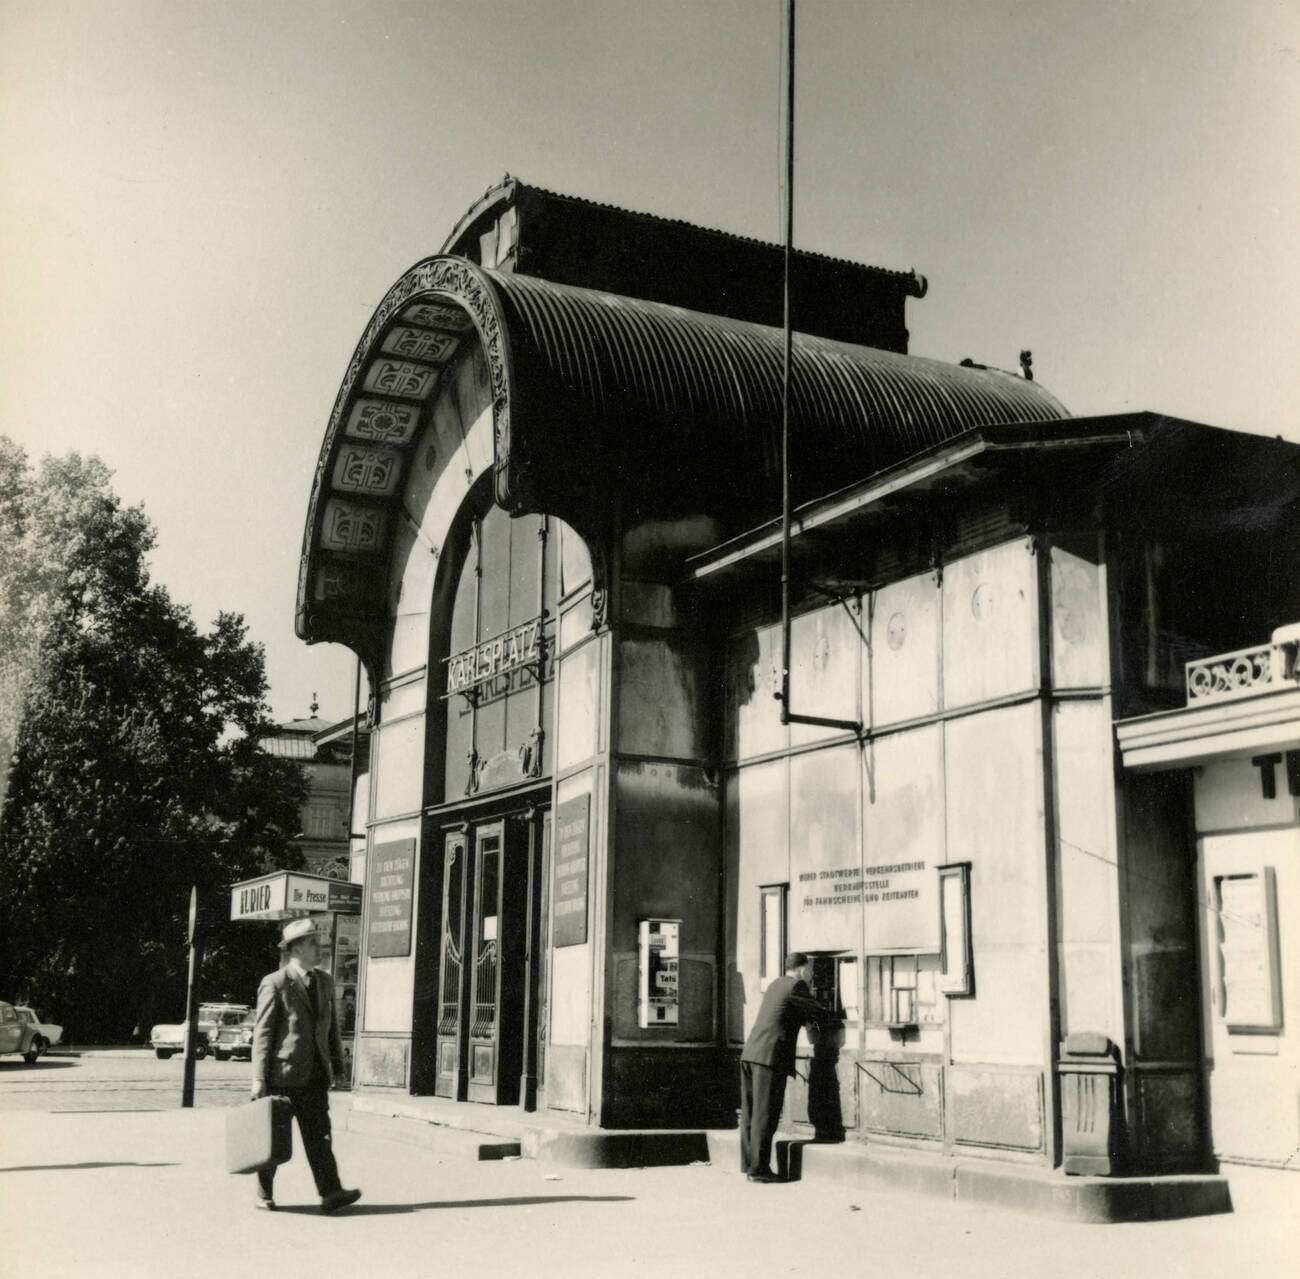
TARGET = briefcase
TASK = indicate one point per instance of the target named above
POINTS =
(259, 1135)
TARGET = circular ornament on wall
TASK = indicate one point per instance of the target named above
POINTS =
(981, 602)
(896, 631)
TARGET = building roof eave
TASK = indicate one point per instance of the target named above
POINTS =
(918, 474)
(1188, 736)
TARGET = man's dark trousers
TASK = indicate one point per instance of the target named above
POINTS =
(762, 1090)
(311, 1108)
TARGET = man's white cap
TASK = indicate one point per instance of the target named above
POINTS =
(296, 929)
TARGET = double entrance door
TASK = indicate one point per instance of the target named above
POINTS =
(490, 1020)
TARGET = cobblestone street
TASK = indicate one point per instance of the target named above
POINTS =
(117, 1079)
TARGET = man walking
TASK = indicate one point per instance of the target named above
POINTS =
(296, 1054)
(768, 1058)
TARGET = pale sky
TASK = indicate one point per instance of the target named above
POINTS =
(200, 205)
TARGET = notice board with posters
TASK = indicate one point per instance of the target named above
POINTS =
(569, 890)
(390, 896)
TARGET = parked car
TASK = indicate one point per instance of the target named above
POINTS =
(168, 1040)
(47, 1033)
(235, 1041)
(25, 1036)
(216, 1018)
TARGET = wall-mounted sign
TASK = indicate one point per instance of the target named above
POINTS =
(286, 893)
(259, 898)
(516, 648)
(569, 890)
(392, 894)
(1249, 993)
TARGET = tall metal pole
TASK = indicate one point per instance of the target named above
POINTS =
(787, 715)
(191, 1003)
(788, 336)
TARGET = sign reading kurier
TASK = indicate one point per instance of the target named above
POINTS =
(507, 652)
(569, 891)
(391, 894)
(286, 893)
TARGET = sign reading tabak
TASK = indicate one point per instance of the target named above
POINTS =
(391, 895)
(519, 647)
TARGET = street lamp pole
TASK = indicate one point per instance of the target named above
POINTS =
(192, 1002)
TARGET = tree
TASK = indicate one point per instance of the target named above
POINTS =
(135, 769)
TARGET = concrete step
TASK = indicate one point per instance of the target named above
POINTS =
(989, 1182)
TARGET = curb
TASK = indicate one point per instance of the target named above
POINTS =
(495, 1136)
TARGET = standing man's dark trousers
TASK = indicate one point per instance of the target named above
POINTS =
(762, 1090)
(311, 1108)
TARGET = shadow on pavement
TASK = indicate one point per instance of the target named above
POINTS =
(123, 1163)
(380, 1210)
(43, 1063)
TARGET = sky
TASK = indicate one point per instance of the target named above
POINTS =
(201, 204)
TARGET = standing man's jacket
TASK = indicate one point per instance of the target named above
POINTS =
(786, 1006)
(295, 1037)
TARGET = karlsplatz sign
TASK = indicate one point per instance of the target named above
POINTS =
(510, 651)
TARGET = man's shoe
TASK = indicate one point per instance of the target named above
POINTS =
(763, 1178)
(339, 1199)
(266, 1205)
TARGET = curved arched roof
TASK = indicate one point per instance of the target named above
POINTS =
(600, 399)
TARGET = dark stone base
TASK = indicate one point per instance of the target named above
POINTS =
(670, 1088)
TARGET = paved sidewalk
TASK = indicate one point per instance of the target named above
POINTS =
(145, 1194)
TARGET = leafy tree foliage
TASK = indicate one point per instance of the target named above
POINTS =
(134, 769)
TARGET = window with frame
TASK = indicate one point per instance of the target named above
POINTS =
(903, 990)
(773, 899)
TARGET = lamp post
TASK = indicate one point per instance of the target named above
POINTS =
(192, 1002)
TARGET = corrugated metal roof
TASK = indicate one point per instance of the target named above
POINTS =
(606, 404)
(706, 381)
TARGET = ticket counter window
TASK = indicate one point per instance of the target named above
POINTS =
(903, 990)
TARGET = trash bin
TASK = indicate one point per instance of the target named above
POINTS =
(1089, 1070)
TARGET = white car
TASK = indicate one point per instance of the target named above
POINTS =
(167, 1040)
(47, 1034)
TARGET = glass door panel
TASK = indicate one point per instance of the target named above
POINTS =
(451, 974)
(485, 954)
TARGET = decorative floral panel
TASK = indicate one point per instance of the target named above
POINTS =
(349, 527)
(420, 344)
(398, 377)
(383, 421)
(439, 315)
(342, 582)
(1228, 675)
(374, 472)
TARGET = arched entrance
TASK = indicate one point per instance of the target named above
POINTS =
(488, 774)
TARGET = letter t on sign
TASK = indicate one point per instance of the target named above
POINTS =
(1267, 765)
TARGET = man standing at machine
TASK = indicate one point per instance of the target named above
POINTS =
(768, 1059)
